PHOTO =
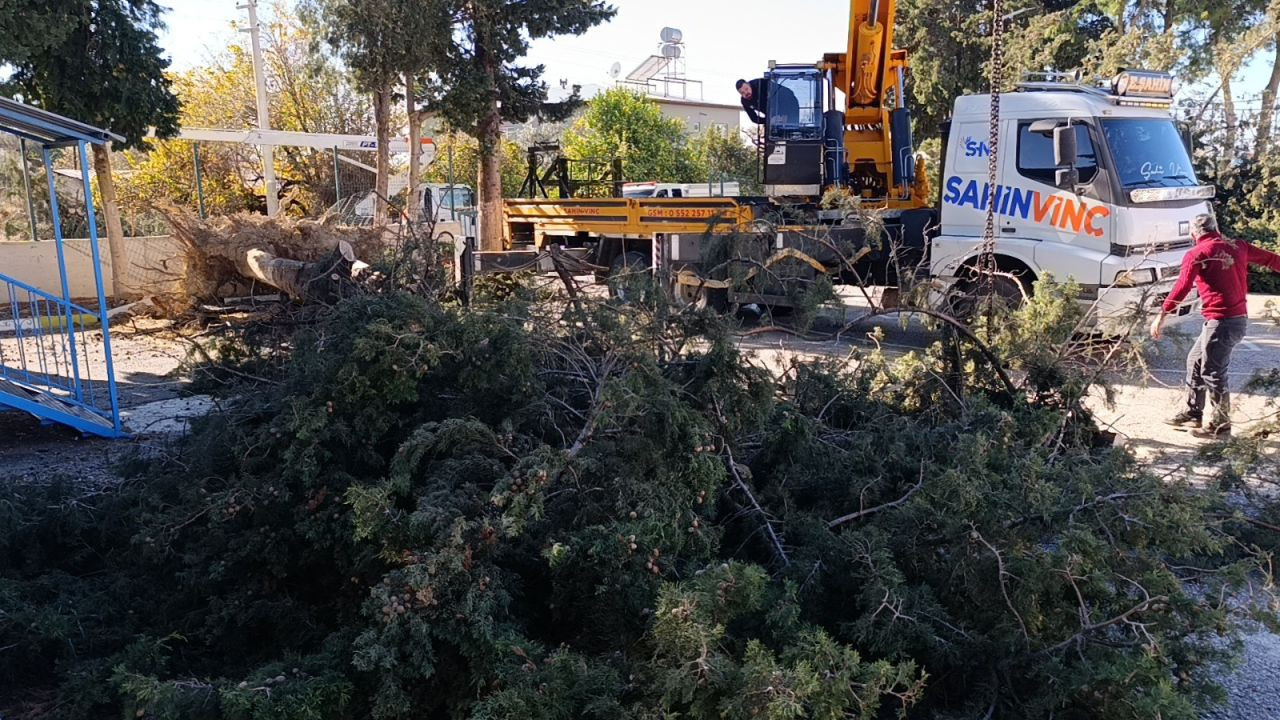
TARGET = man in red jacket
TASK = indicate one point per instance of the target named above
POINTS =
(1219, 269)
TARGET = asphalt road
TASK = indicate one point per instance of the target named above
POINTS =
(1260, 350)
(1144, 398)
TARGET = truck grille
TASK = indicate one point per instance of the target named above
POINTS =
(1149, 249)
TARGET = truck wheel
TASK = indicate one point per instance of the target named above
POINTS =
(1010, 291)
(630, 280)
(714, 299)
(606, 251)
(966, 299)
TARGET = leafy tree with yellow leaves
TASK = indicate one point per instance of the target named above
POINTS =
(314, 95)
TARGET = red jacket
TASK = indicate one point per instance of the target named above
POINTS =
(1219, 267)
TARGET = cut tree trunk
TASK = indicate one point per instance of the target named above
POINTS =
(382, 116)
(412, 206)
(307, 281)
(111, 216)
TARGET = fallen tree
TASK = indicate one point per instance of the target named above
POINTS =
(449, 512)
(306, 260)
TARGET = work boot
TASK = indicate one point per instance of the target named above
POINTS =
(1212, 432)
(1186, 419)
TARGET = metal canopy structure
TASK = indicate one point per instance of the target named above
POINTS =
(48, 365)
(316, 141)
(48, 129)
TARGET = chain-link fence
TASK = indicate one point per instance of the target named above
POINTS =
(24, 192)
(228, 178)
(213, 179)
(310, 182)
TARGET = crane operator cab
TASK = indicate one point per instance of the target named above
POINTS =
(794, 127)
(805, 135)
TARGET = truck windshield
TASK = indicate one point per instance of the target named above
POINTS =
(1149, 153)
(795, 105)
(457, 198)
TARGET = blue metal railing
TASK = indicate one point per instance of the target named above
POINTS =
(55, 354)
(51, 359)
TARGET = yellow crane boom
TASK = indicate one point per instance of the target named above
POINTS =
(871, 74)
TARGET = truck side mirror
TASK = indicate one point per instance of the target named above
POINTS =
(1044, 127)
(1188, 138)
(1067, 178)
(1064, 146)
(428, 209)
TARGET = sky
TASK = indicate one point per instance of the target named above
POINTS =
(724, 39)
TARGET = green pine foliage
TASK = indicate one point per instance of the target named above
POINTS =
(476, 513)
(27, 30)
(479, 68)
(96, 61)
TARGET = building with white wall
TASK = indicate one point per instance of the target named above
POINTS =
(700, 116)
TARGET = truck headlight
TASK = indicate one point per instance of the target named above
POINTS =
(1134, 278)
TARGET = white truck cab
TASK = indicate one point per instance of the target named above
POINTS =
(436, 201)
(1113, 215)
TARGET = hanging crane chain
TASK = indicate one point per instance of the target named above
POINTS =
(987, 259)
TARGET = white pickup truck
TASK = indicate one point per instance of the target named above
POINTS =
(679, 190)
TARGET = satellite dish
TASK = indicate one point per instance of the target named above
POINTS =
(615, 70)
(672, 35)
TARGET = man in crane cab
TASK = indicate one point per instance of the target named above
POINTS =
(1219, 268)
(755, 101)
(755, 98)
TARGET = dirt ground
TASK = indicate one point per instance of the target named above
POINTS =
(1142, 399)
(147, 361)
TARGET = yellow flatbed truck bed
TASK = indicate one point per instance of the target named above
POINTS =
(613, 237)
(531, 222)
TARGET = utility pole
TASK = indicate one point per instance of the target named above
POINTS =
(26, 187)
(264, 120)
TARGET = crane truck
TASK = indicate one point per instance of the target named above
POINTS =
(1094, 183)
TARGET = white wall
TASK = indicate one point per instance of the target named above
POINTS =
(155, 265)
(700, 118)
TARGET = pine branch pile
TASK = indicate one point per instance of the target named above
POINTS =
(469, 513)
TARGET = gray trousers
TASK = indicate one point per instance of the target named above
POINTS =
(1207, 367)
